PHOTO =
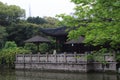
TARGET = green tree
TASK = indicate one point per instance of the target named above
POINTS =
(44, 47)
(21, 31)
(10, 13)
(36, 20)
(31, 46)
(7, 54)
(3, 35)
(51, 22)
(10, 44)
(97, 20)
(45, 22)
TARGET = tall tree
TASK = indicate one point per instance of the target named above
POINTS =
(97, 20)
(36, 20)
(3, 35)
(51, 22)
(45, 22)
(10, 13)
(21, 31)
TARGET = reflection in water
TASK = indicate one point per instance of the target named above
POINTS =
(7, 75)
(38, 75)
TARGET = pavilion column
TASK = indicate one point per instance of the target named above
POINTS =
(38, 56)
(46, 56)
(65, 57)
(75, 56)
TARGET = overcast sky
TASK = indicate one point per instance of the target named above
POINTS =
(43, 7)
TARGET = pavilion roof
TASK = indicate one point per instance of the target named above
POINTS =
(60, 31)
(76, 41)
(37, 39)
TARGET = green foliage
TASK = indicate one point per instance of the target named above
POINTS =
(44, 47)
(97, 20)
(98, 55)
(45, 22)
(118, 56)
(30, 46)
(51, 22)
(21, 32)
(10, 44)
(36, 20)
(3, 35)
(16, 28)
(7, 54)
(10, 14)
(68, 20)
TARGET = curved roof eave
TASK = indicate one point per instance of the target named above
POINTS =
(60, 31)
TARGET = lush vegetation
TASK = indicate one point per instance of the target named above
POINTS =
(7, 54)
(43, 48)
(14, 26)
(97, 20)
(15, 29)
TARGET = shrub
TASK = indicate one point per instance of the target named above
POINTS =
(44, 47)
(7, 54)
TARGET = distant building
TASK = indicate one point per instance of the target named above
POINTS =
(60, 34)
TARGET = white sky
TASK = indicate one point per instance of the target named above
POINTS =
(43, 7)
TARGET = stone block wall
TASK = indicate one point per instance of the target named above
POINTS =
(64, 61)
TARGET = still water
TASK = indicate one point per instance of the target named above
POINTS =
(38, 75)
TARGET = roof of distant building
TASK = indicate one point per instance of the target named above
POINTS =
(37, 39)
(60, 31)
(76, 41)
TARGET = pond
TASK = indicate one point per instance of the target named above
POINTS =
(44, 75)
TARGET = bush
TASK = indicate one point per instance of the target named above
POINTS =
(7, 54)
(30, 46)
(44, 47)
(10, 44)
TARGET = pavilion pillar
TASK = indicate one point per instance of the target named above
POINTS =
(65, 57)
(38, 56)
(46, 56)
(75, 56)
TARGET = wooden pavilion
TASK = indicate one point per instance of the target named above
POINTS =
(60, 34)
(37, 40)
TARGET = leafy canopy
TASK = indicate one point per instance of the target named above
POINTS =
(3, 35)
(8, 53)
(97, 20)
(10, 13)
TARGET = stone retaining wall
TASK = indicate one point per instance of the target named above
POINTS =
(63, 61)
